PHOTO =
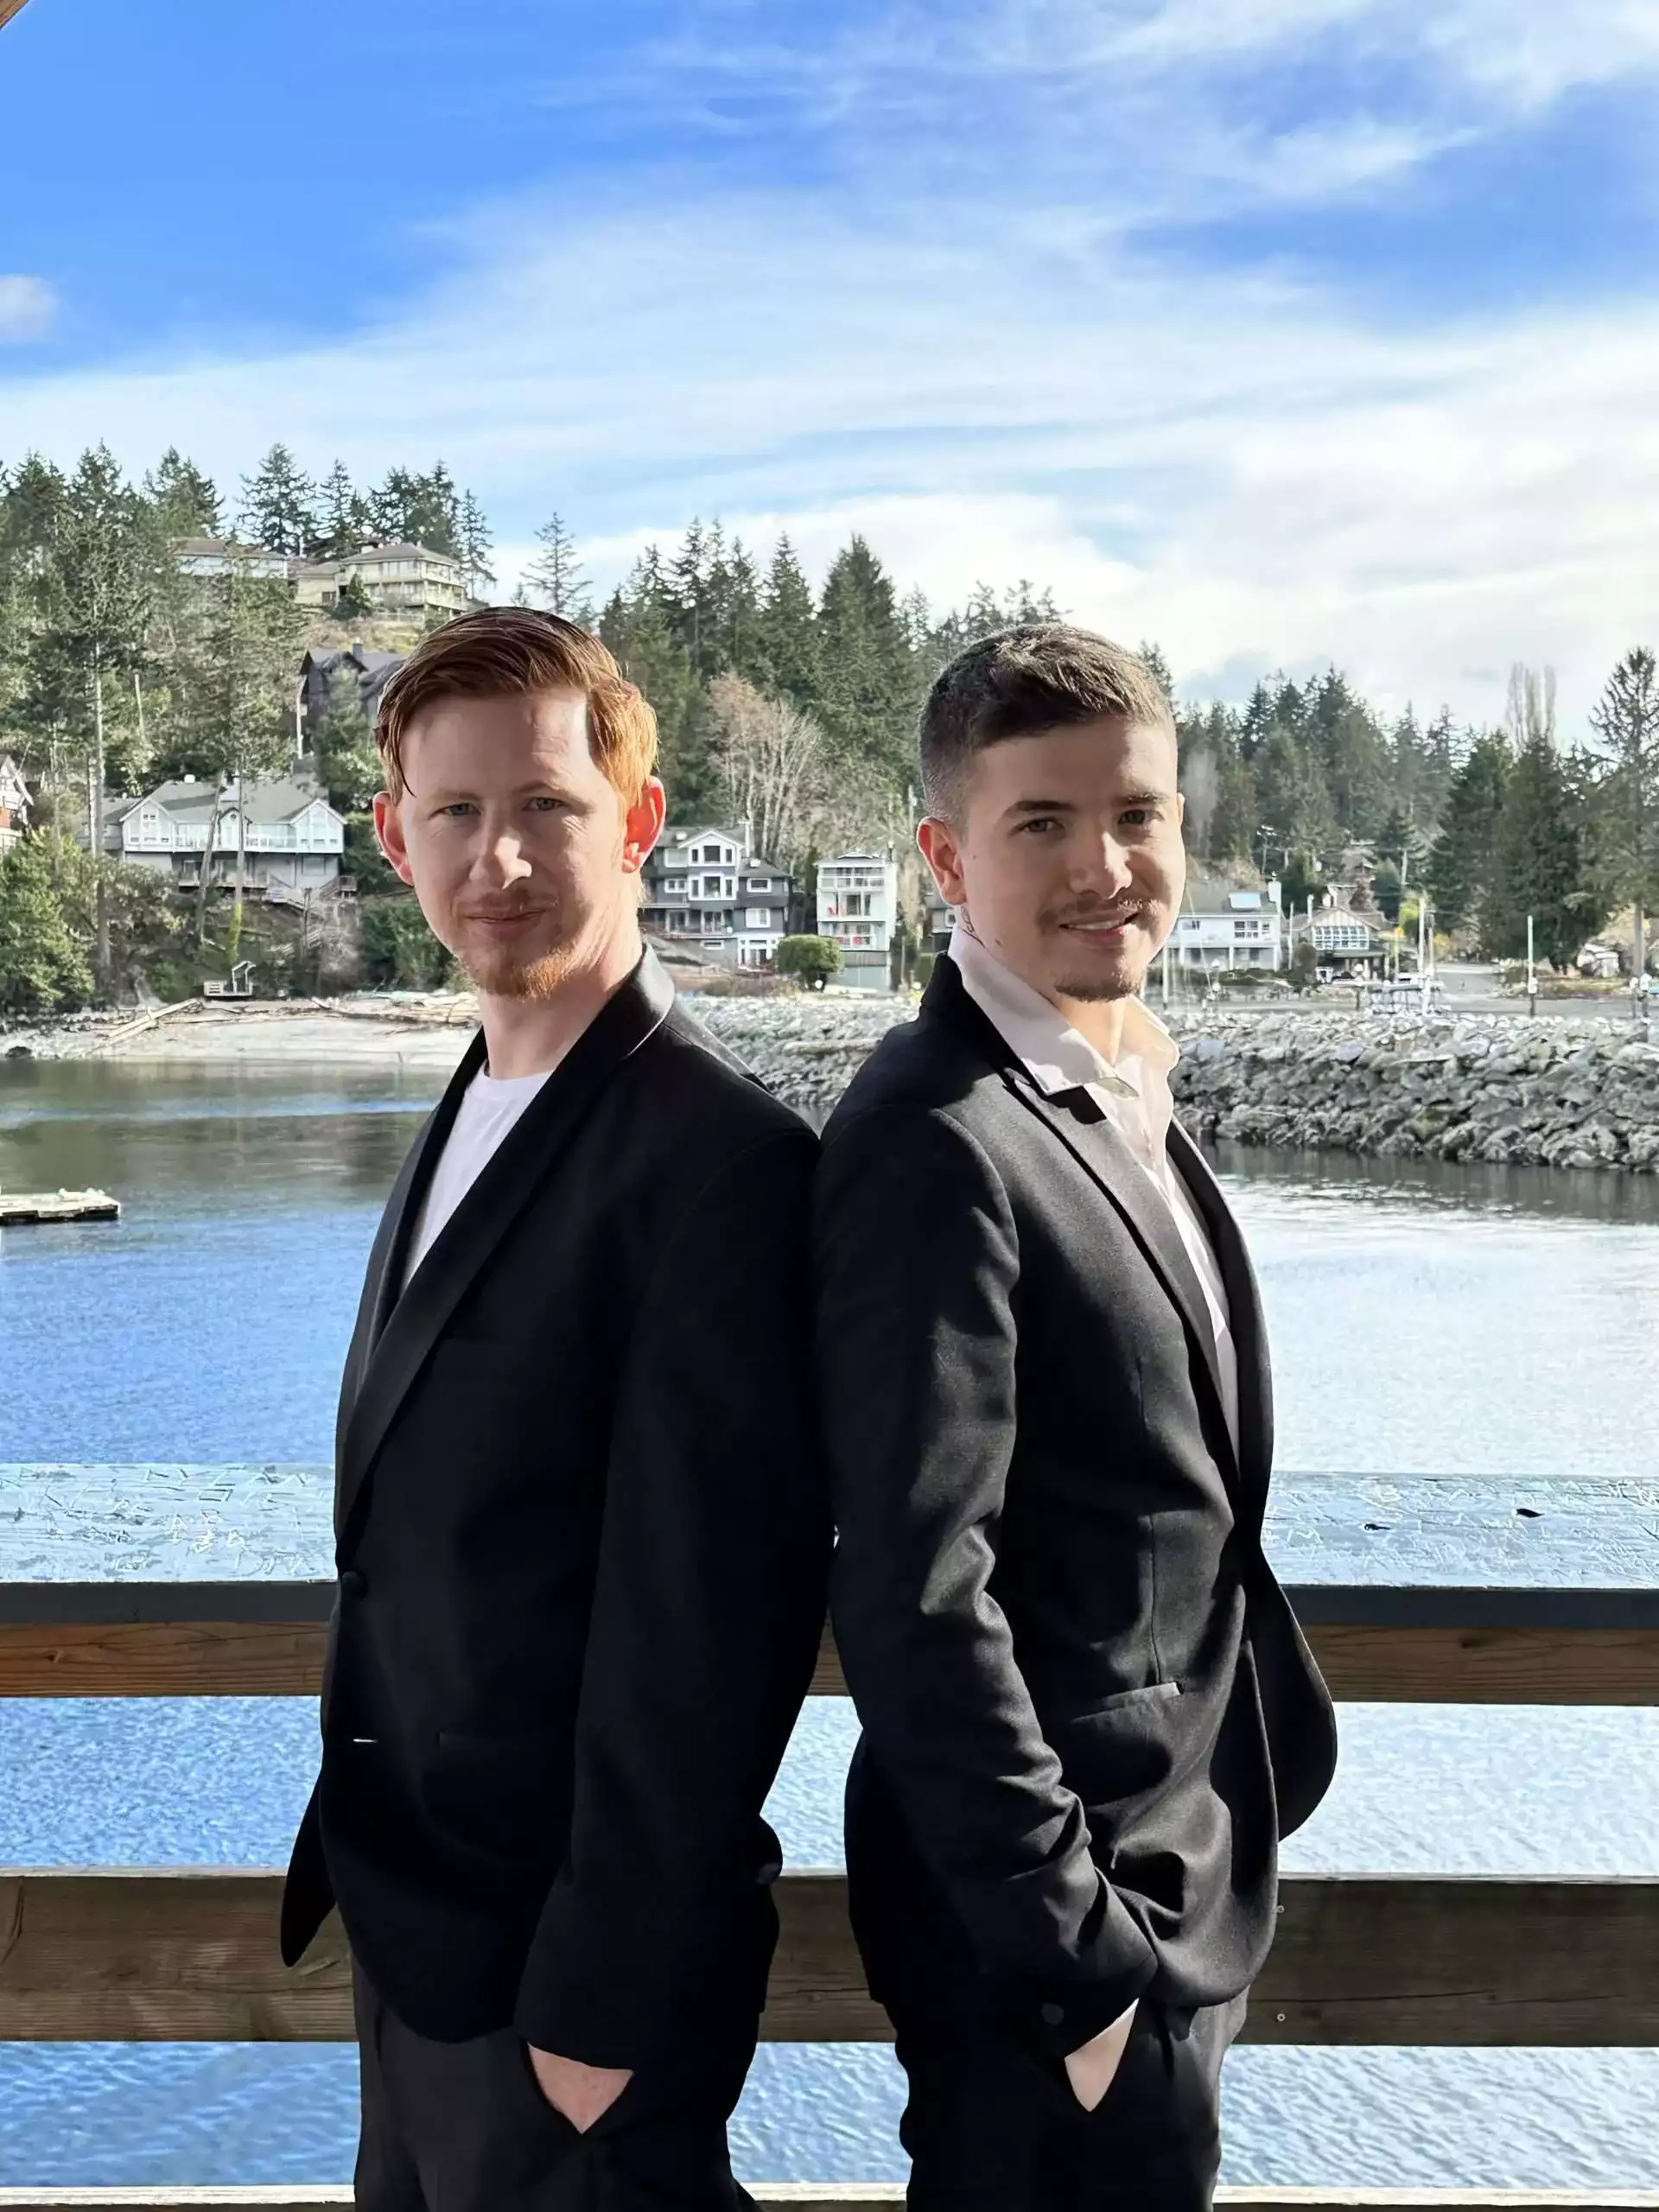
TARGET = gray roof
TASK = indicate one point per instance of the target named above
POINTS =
(271, 802)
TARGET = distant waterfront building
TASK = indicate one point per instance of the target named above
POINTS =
(294, 837)
(216, 556)
(858, 907)
(411, 580)
(14, 802)
(1341, 937)
(709, 888)
(1220, 929)
(361, 674)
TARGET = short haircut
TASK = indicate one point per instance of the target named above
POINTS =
(1038, 675)
(503, 652)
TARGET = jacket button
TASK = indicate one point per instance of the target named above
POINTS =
(352, 1583)
(1053, 2015)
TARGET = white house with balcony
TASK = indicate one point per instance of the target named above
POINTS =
(292, 838)
(858, 907)
(708, 889)
(14, 802)
(1219, 928)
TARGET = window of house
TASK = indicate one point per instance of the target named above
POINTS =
(756, 917)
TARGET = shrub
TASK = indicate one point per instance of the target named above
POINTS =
(810, 959)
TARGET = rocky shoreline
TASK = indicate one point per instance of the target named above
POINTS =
(1551, 1092)
(1495, 1089)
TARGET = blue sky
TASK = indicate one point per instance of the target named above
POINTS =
(1279, 330)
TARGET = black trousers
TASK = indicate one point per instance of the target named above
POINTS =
(464, 2126)
(993, 2126)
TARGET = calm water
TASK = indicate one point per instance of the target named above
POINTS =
(1423, 1320)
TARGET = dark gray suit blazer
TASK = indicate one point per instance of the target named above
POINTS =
(1088, 1712)
(582, 1542)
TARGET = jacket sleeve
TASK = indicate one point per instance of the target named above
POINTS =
(918, 1266)
(707, 1611)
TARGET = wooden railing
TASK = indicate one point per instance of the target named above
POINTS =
(191, 1954)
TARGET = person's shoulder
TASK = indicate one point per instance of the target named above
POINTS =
(708, 1101)
(921, 1072)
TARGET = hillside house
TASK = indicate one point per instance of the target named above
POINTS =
(709, 888)
(294, 837)
(411, 580)
(14, 802)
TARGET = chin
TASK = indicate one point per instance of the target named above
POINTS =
(501, 974)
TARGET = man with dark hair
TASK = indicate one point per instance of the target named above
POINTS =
(580, 1538)
(1089, 1714)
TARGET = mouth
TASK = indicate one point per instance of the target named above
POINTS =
(503, 926)
(1106, 930)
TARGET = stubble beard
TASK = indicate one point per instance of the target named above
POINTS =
(499, 976)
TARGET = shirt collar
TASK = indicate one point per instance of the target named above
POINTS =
(1056, 1056)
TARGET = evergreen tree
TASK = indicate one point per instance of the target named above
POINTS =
(1626, 814)
(790, 662)
(42, 963)
(343, 524)
(476, 546)
(871, 689)
(278, 509)
(186, 498)
(1462, 865)
(1540, 863)
(1152, 656)
(557, 577)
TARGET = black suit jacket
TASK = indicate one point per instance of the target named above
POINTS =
(1089, 1711)
(583, 1544)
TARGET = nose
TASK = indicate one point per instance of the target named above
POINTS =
(1102, 866)
(502, 861)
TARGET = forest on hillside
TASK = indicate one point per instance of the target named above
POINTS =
(784, 702)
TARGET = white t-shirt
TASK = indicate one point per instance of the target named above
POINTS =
(488, 1109)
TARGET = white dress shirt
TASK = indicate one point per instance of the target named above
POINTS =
(1132, 1092)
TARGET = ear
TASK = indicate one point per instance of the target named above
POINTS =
(643, 827)
(389, 829)
(943, 856)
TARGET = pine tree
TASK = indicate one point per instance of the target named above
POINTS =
(871, 686)
(476, 544)
(1540, 863)
(278, 509)
(186, 498)
(788, 654)
(1152, 655)
(557, 577)
(343, 525)
(1461, 866)
(1626, 791)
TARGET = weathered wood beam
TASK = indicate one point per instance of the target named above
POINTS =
(187, 1955)
(8, 9)
(1402, 1645)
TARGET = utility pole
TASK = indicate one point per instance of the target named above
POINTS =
(1532, 973)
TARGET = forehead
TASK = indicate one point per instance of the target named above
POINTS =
(1086, 763)
(499, 737)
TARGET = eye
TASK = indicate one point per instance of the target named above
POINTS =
(457, 808)
(1137, 818)
(1039, 825)
(544, 804)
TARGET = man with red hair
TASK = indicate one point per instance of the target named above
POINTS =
(581, 1543)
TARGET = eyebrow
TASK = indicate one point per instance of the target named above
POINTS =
(1065, 806)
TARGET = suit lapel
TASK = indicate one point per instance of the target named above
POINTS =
(528, 1154)
(1105, 1157)
(1107, 1160)
(385, 1268)
(1244, 1304)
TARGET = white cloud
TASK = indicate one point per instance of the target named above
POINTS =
(989, 382)
(28, 305)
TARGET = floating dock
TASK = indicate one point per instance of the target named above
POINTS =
(19, 1206)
